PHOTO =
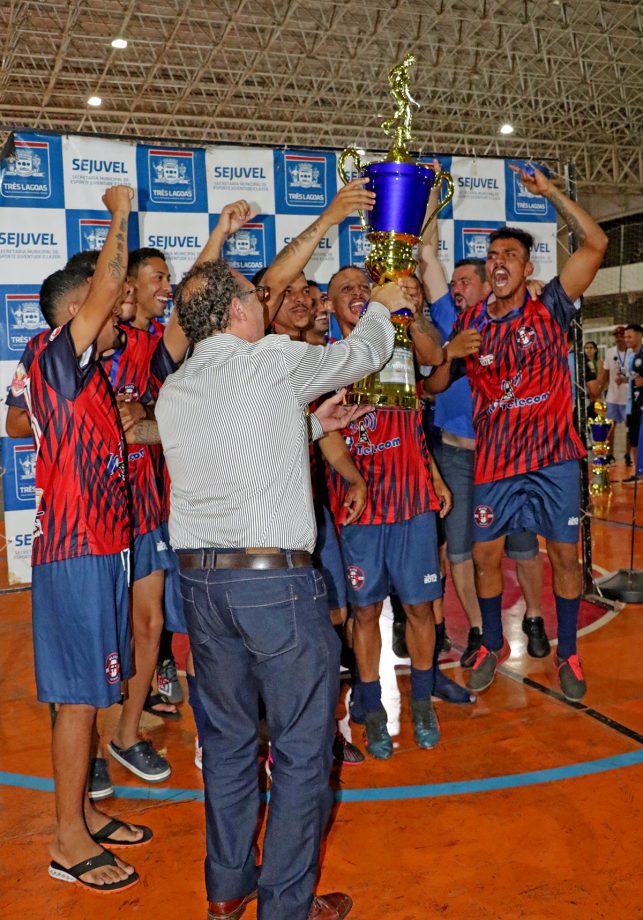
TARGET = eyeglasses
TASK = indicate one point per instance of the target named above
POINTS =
(263, 293)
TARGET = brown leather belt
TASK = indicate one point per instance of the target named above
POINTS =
(261, 559)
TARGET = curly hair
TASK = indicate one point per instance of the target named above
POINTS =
(202, 299)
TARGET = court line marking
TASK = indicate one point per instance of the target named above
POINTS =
(383, 794)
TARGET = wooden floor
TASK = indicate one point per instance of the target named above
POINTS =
(529, 807)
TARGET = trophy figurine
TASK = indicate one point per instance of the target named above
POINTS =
(393, 228)
(599, 428)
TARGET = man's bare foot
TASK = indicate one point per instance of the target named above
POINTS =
(96, 820)
(72, 849)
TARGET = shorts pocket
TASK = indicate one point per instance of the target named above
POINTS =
(267, 628)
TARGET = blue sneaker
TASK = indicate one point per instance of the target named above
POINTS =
(378, 740)
(425, 724)
(447, 690)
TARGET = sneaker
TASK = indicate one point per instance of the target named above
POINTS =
(474, 641)
(627, 460)
(571, 677)
(484, 668)
(399, 639)
(168, 682)
(448, 691)
(100, 783)
(142, 760)
(198, 753)
(426, 729)
(345, 752)
(537, 641)
(378, 740)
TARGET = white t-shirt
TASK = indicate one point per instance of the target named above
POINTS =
(617, 362)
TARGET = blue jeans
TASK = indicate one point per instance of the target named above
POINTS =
(269, 633)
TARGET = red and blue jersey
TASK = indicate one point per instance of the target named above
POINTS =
(133, 371)
(82, 505)
(521, 387)
(389, 449)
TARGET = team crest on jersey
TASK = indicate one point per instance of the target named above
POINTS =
(129, 391)
(356, 577)
(113, 668)
(525, 336)
(483, 516)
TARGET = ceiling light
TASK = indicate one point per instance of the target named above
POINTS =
(507, 129)
(361, 151)
(95, 101)
(119, 43)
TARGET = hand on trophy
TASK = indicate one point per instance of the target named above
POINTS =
(334, 413)
(393, 297)
(349, 199)
(465, 343)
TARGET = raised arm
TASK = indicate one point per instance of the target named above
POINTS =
(294, 257)
(581, 267)
(111, 269)
(432, 273)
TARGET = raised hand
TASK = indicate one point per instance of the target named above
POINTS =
(234, 215)
(349, 199)
(118, 198)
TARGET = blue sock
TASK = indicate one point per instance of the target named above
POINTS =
(197, 707)
(491, 610)
(370, 695)
(567, 616)
(421, 683)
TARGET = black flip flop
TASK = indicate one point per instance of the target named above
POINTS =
(94, 862)
(153, 699)
(104, 835)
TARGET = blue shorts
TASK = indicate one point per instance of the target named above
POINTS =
(328, 558)
(81, 634)
(151, 553)
(401, 557)
(172, 600)
(545, 501)
(616, 412)
(456, 466)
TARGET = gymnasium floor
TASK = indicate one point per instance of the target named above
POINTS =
(529, 807)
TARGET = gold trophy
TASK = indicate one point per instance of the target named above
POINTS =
(394, 228)
(599, 428)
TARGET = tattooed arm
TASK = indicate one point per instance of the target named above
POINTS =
(581, 267)
(294, 257)
(111, 269)
(145, 431)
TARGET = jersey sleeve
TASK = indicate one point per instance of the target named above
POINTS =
(558, 303)
(162, 364)
(61, 369)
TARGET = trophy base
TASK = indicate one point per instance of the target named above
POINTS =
(383, 400)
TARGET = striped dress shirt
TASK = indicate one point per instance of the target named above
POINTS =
(233, 426)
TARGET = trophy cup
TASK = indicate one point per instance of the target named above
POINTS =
(599, 428)
(393, 228)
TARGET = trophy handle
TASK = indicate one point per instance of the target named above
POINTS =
(447, 198)
(351, 153)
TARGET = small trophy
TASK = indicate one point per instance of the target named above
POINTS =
(393, 228)
(599, 428)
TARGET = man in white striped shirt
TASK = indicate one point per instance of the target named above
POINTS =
(235, 433)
